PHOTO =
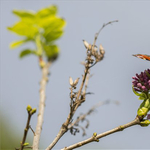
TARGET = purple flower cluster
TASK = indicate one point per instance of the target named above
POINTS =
(141, 82)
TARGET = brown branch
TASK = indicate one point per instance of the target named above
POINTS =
(80, 98)
(64, 127)
(44, 80)
(25, 131)
(95, 137)
(86, 83)
(104, 25)
(83, 116)
(30, 113)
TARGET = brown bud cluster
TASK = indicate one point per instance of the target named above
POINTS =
(94, 54)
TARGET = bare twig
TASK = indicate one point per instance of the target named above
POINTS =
(95, 137)
(83, 116)
(44, 80)
(25, 132)
(86, 83)
(76, 104)
(30, 113)
(31, 129)
(93, 56)
(104, 25)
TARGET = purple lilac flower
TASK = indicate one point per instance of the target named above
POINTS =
(141, 82)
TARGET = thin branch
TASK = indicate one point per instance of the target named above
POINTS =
(64, 127)
(83, 116)
(44, 80)
(26, 131)
(95, 137)
(30, 113)
(86, 83)
(92, 54)
(32, 130)
(104, 25)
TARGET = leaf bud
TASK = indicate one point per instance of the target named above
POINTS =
(142, 111)
(42, 64)
(145, 123)
(94, 134)
(29, 108)
(25, 144)
(33, 111)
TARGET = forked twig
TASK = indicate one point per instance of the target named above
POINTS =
(92, 109)
(95, 137)
(77, 98)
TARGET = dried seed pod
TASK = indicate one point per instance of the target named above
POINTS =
(86, 44)
(71, 81)
(101, 49)
(94, 49)
(76, 81)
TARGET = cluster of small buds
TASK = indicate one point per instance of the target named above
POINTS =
(141, 82)
(31, 110)
(93, 51)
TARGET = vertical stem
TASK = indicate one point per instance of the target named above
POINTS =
(25, 132)
(43, 83)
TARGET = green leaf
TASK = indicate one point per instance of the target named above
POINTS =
(24, 13)
(144, 108)
(53, 35)
(17, 43)
(24, 29)
(142, 96)
(27, 52)
(49, 11)
(51, 51)
(51, 23)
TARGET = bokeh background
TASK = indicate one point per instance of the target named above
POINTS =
(112, 77)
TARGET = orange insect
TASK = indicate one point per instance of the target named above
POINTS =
(143, 56)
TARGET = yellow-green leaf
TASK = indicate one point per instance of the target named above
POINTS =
(51, 51)
(27, 52)
(24, 13)
(17, 43)
(48, 11)
(24, 29)
(51, 23)
(53, 35)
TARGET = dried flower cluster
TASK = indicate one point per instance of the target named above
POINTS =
(78, 97)
(93, 55)
(141, 82)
